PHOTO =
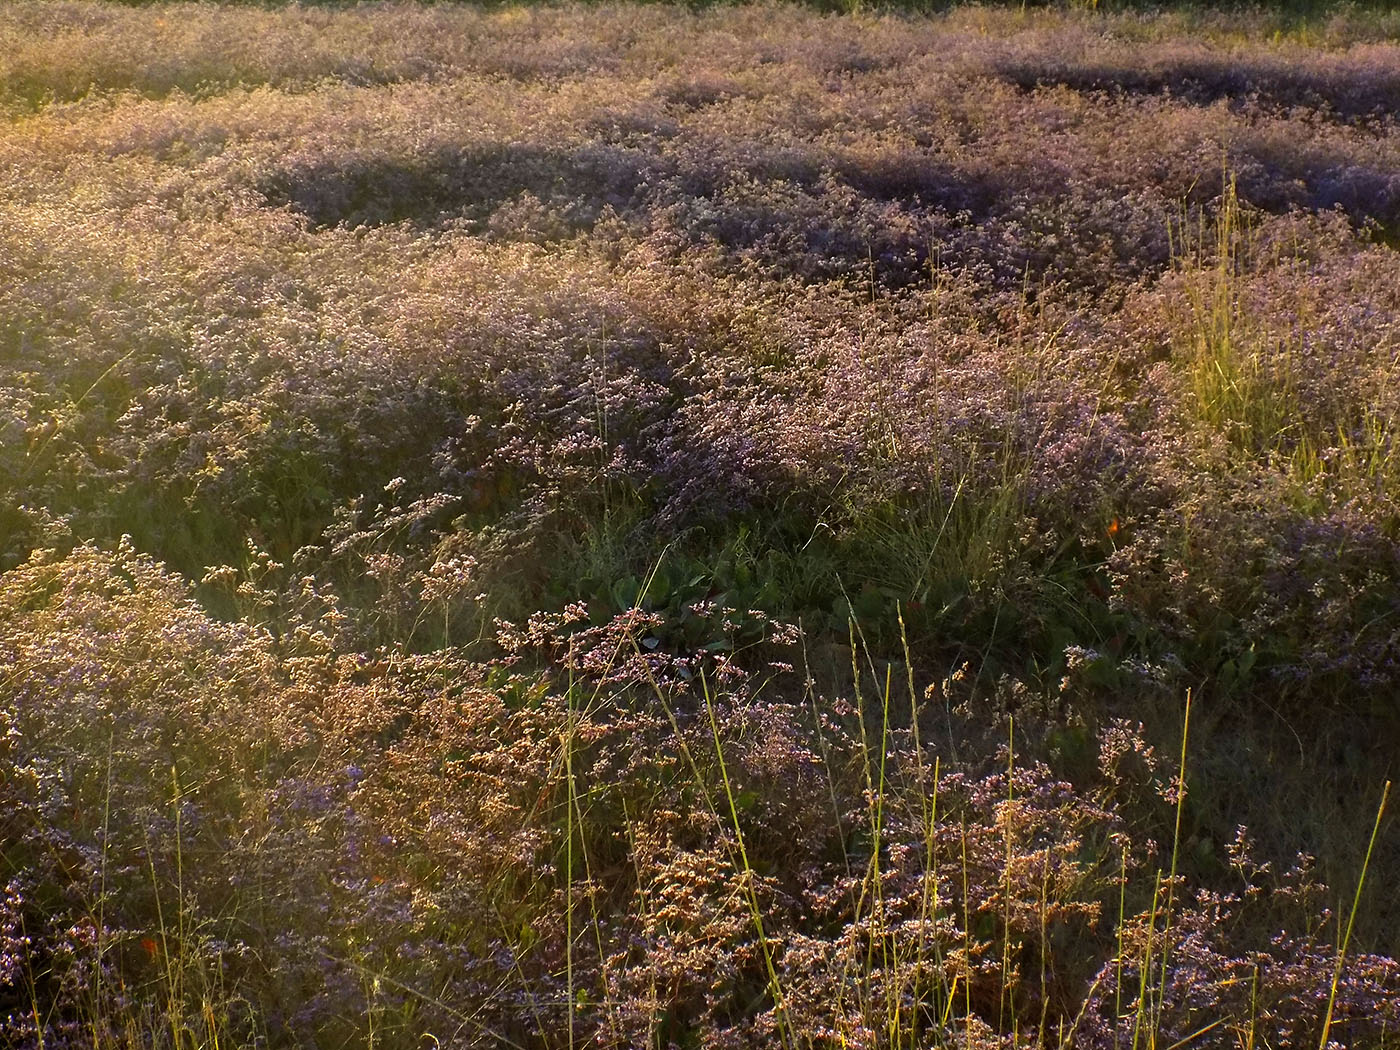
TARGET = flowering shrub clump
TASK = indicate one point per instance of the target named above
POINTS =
(213, 839)
(634, 526)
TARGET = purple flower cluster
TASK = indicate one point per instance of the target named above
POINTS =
(585, 426)
(590, 836)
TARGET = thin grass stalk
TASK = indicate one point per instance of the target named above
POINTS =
(1351, 921)
(785, 1031)
(1003, 993)
(889, 947)
(1145, 971)
(102, 890)
(928, 905)
(1176, 847)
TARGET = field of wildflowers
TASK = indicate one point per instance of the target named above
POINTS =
(624, 526)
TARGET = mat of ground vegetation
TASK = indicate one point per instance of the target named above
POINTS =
(622, 527)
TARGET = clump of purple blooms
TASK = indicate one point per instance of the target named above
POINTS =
(626, 526)
(588, 836)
